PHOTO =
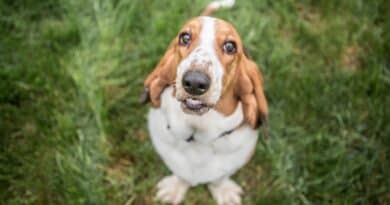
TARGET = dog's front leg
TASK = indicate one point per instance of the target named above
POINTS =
(171, 190)
(226, 192)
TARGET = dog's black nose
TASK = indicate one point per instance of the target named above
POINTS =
(195, 82)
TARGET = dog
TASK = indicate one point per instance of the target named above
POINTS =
(207, 102)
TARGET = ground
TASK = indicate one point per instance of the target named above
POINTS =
(72, 130)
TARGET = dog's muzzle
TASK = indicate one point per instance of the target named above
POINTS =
(195, 84)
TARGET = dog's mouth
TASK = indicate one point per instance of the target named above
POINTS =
(194, 106)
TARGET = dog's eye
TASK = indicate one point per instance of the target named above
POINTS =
(184, 39)
(229, 47)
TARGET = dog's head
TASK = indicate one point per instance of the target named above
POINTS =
(205, 62)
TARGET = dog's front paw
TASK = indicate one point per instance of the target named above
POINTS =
(226, 192)
(171, 190)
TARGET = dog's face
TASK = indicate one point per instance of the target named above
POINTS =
(209, 48)
(206, 62)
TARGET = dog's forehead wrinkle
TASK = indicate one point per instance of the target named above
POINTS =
(207, 34)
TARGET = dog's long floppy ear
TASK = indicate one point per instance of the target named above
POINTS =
(163, 75)
(249, 89)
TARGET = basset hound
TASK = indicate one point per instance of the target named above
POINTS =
(207, 105)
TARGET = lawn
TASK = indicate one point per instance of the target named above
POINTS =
(72, 130)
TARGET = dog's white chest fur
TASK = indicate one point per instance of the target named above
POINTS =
(197, 148)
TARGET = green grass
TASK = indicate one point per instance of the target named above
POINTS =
(72, 131)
